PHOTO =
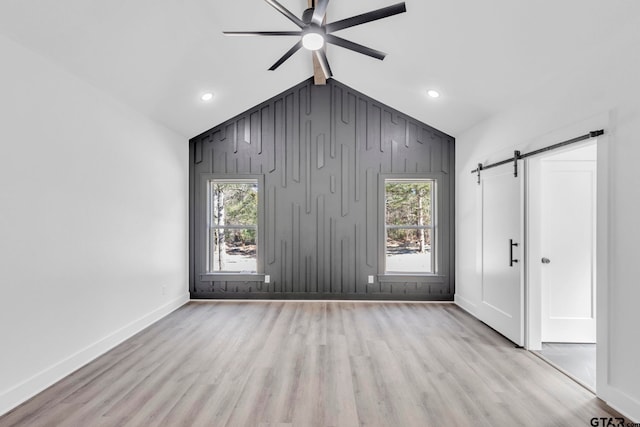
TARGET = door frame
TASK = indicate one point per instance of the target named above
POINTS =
(533, 173)
(532, 294)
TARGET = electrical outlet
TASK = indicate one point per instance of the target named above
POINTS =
(267, 278)
(370, 280)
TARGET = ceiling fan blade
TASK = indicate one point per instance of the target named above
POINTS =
(319, 11)
(287, 55)
(321, 56)
(262, 33)
(286, 12)
(366, 17)
(338, 41)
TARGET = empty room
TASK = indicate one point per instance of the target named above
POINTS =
(319, 213)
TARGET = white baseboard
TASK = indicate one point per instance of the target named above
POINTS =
(465, 304)
(627, 405)
(22, 392)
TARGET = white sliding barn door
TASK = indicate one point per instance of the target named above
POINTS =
(502, 303)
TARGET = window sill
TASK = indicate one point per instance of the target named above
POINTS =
(232, 277)
(410, 277)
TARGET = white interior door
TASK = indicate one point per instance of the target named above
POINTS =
(502, 300)
(568, 226)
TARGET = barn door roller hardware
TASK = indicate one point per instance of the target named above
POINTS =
(517, 155)
(478, 171)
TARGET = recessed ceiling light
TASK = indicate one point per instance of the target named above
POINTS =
(207, 96)
(433, 93)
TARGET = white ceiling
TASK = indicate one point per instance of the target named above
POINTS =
(159, 56)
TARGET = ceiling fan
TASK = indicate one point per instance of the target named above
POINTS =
(315, 33)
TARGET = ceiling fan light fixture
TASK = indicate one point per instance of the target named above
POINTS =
(315, 32)
(312, 40)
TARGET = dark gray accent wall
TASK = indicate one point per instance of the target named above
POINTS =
(323, 152)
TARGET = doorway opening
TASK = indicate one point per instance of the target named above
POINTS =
(561, 235)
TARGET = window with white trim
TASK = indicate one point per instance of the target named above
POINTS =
(410, 232)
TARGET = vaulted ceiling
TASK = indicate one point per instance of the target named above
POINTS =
(159, 56)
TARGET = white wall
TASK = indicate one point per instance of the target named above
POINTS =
(604, 93)
(93, 223)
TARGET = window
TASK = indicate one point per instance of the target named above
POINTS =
(409, 225)
(232, 217)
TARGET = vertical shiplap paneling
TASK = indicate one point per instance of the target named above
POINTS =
(334, 110)
(445, 157)
(344, 266)
(374, 126)
(292, 129)
(296, 240)
(280, 142)
(334, 260)
(198, 150)
(245, 126)
(256, 129)
(283, 276)
(344, 180)
(321, 243)
(233, 131)
(268, 137)
(436, 153)
(270, 224)
(356, 262)
(360, 145)
(385, 130)
(396, 165)
(371, 217)
(321, 150)
(400, 132)
(307, 170)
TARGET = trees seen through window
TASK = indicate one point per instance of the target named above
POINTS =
(409, 226)
(233, 225)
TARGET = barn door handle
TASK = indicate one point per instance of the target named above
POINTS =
(511, 245)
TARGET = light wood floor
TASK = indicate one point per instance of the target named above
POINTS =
(314, 364)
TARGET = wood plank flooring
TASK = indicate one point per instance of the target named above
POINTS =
(255, 363)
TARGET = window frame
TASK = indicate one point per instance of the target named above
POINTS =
(436, 207)
(204, 227)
